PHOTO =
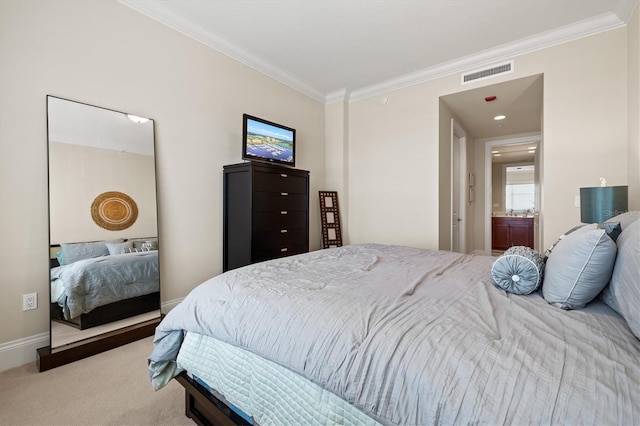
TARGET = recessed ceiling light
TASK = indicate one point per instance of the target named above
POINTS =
(532, 151)
(495, 152)
(499, 117)
(532, 147)
(497, 155)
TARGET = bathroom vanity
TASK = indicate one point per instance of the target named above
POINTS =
(508, 231)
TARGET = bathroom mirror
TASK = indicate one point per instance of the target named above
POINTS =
(103, 229)
(520, 188)
(514, 172)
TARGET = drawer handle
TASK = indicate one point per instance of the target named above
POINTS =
(283, 212)
(283, 231)
(284, 250)
(284, 175)
(284, 193)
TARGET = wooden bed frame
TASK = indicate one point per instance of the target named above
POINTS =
(204, 408)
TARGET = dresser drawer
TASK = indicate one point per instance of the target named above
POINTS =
(280, 201)
(279, 182)
(259, 256)
(279, 239)
(277, 220)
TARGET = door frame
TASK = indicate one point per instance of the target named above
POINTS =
(458, 132)
(488, 186)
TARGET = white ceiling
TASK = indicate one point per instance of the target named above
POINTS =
(350, 49)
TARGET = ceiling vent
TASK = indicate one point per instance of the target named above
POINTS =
(481, 74)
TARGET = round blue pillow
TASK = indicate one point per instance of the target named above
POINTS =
(519, 270)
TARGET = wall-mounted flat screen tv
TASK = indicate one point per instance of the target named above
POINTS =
(263, 140)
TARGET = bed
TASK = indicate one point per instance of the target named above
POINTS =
(100, 286)
(376, 334)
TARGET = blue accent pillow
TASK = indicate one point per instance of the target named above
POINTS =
(79, 251)
(118, 248)
(579, 267)
(623, 292)
(519, 270)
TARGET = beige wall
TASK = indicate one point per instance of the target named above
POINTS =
(634, 110)
(394, 163)
(106, 54)
(336, 148)
(393, 168)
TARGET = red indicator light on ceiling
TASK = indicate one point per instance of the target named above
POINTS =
(490, 99)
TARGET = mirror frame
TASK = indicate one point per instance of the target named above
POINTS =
(46, 357)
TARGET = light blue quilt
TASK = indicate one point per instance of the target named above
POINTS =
(86, 284)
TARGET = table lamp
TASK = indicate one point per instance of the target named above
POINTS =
(601, 203)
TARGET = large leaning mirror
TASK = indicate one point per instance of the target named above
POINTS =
(103, 230)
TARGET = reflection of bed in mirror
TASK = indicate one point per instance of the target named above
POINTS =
(103, 230)
(109, 287)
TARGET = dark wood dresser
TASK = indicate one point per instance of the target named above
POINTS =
(266, 213)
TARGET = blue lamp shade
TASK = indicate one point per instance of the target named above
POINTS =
(601, 203)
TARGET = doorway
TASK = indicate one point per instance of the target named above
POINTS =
(512, 182)
(495, 114)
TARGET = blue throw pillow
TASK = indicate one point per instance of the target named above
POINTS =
(519, 270)
(579, 267)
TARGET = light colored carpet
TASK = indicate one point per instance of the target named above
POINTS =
(111, 388)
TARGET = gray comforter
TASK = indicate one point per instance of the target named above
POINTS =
(86, 284)
(417, 337)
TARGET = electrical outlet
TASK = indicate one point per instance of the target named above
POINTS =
(29, 301)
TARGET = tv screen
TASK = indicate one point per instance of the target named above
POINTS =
(263, 140)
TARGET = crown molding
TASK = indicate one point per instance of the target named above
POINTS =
(158, 11)
(337, 96)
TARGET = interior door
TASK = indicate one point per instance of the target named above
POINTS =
(458, 188)
(455, 210)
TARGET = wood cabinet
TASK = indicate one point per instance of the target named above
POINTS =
(266, 213)
(511, 231)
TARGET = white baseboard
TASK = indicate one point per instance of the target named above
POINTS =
(23, 351)
(170, 304)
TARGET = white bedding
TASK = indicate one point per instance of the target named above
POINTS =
(413, 336)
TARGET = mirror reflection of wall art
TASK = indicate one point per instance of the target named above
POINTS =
(330, 219)
(114, 211)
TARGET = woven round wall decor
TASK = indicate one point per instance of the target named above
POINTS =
(114, 211)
